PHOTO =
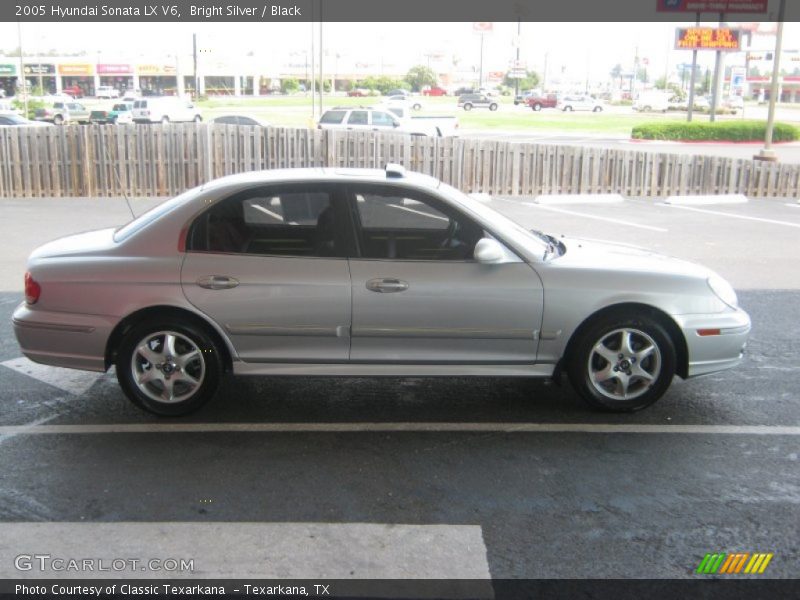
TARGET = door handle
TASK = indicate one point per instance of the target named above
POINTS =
(386, 286)
(217, 282)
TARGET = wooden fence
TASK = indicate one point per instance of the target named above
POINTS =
(163, 160)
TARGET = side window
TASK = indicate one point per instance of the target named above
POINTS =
(406, 225)
(333, 117)
(381, 119)
(271, 221)
(358, 117)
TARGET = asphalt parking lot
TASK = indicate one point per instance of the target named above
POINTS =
(355, 477)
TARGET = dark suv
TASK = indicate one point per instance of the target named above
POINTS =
(470, 101)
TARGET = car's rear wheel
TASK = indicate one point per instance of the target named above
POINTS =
(468, 107)
(567, 109)
(537, 107)
(169, 368)
(198, 119)
(58, 120)
(622, 364)
(597, 109)
(493, 106)
(165, 119)
(417, 106)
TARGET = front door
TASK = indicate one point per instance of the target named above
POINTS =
(420, 297)
(269, 266)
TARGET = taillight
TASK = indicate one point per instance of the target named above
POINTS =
(32, 289)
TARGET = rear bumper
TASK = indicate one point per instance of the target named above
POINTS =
(63, 339)
(714, 342)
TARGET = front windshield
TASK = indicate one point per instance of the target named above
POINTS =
(151, 215)
(515, 233)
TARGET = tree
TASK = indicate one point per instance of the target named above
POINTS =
(382, 84)
(289, 85)
(616, 73)
(529, 82)
(661, 83)
(420, 76)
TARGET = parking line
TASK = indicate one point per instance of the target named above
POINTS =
(589, 216)
(732, 215)
(398, 427)
(292, 550)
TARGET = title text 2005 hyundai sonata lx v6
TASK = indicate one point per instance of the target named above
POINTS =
(368, 273)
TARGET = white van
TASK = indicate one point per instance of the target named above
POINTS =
(165, 109)
(652, 101)
(107, 91)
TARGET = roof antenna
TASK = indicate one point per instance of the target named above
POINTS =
(115, 169)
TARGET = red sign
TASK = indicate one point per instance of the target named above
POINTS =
(707, 38)
(115, 69)
(485, 27)
(713, 6)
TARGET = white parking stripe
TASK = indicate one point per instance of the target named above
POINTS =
(597, 218)
(411, 427)
(254, 550)
(733, 215)
(69, 380)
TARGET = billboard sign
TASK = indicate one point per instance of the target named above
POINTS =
(708, 38)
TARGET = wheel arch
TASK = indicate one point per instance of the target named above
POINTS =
(165, 311)
(627, 308)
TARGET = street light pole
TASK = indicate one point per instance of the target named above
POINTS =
(516, 64)
(22, 70)
(767, 153)
(480, 68)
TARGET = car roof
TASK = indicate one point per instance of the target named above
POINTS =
(326, 174)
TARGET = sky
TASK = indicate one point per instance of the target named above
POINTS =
(575, 49)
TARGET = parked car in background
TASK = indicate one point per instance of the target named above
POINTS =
(74, 91)
(434, 91)
(409, 101)
(239, 120)
(165, 109)
(107, 91)
(120, 114)
(733, 103)
(539, 101)
(61, 113)
(579, 102)
(470, 101)
(383, 119)
(652, 101)
(366, 273)
(398, 92)
(12, 119)
(131, 96)
(433, 125)
(522, 98)
(359, 93)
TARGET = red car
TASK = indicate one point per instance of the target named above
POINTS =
(358, 93)
(434, 91)
(74, 91)
(540, 102)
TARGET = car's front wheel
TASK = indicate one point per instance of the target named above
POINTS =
(536, 107)
(493, 106)
(622, 364)
(468, 107)
(169, 368)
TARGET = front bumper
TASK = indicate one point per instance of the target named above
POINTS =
(714, 342)
(63, 339)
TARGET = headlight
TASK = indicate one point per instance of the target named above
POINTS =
(723, 290)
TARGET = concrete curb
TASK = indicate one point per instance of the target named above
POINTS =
(707, 200)
(579, 199)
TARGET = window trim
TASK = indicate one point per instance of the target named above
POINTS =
(337, 199)
(440, 204)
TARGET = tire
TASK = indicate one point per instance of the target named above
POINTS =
(567, 109)
(417, 106)
(164, 120)
(598, 374)
(597, 109)
(204, 366)
(493, 107)
(536, 107)
(468, 107)
(646, 109)
(58, 120)
(198, 119)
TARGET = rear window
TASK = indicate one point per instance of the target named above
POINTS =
(333, 117)
(121, 107)
(140, 104)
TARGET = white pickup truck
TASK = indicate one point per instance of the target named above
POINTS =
(389, 118)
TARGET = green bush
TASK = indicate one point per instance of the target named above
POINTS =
(728, 131)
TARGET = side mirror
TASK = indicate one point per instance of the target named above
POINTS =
(395, 124)
(489, 251)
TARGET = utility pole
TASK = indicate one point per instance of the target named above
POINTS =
(717, 76)
(692, 79)
(21, 77)
(767, 153)
(544, 73)
(480, 68)
(194, 67)
(321, 78)
(516, 63)
(313, 70)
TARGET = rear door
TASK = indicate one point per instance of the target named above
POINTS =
(269, 265)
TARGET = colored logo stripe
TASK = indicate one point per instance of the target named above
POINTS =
(724, 563)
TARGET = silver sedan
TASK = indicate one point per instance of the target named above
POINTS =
(366, 273)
